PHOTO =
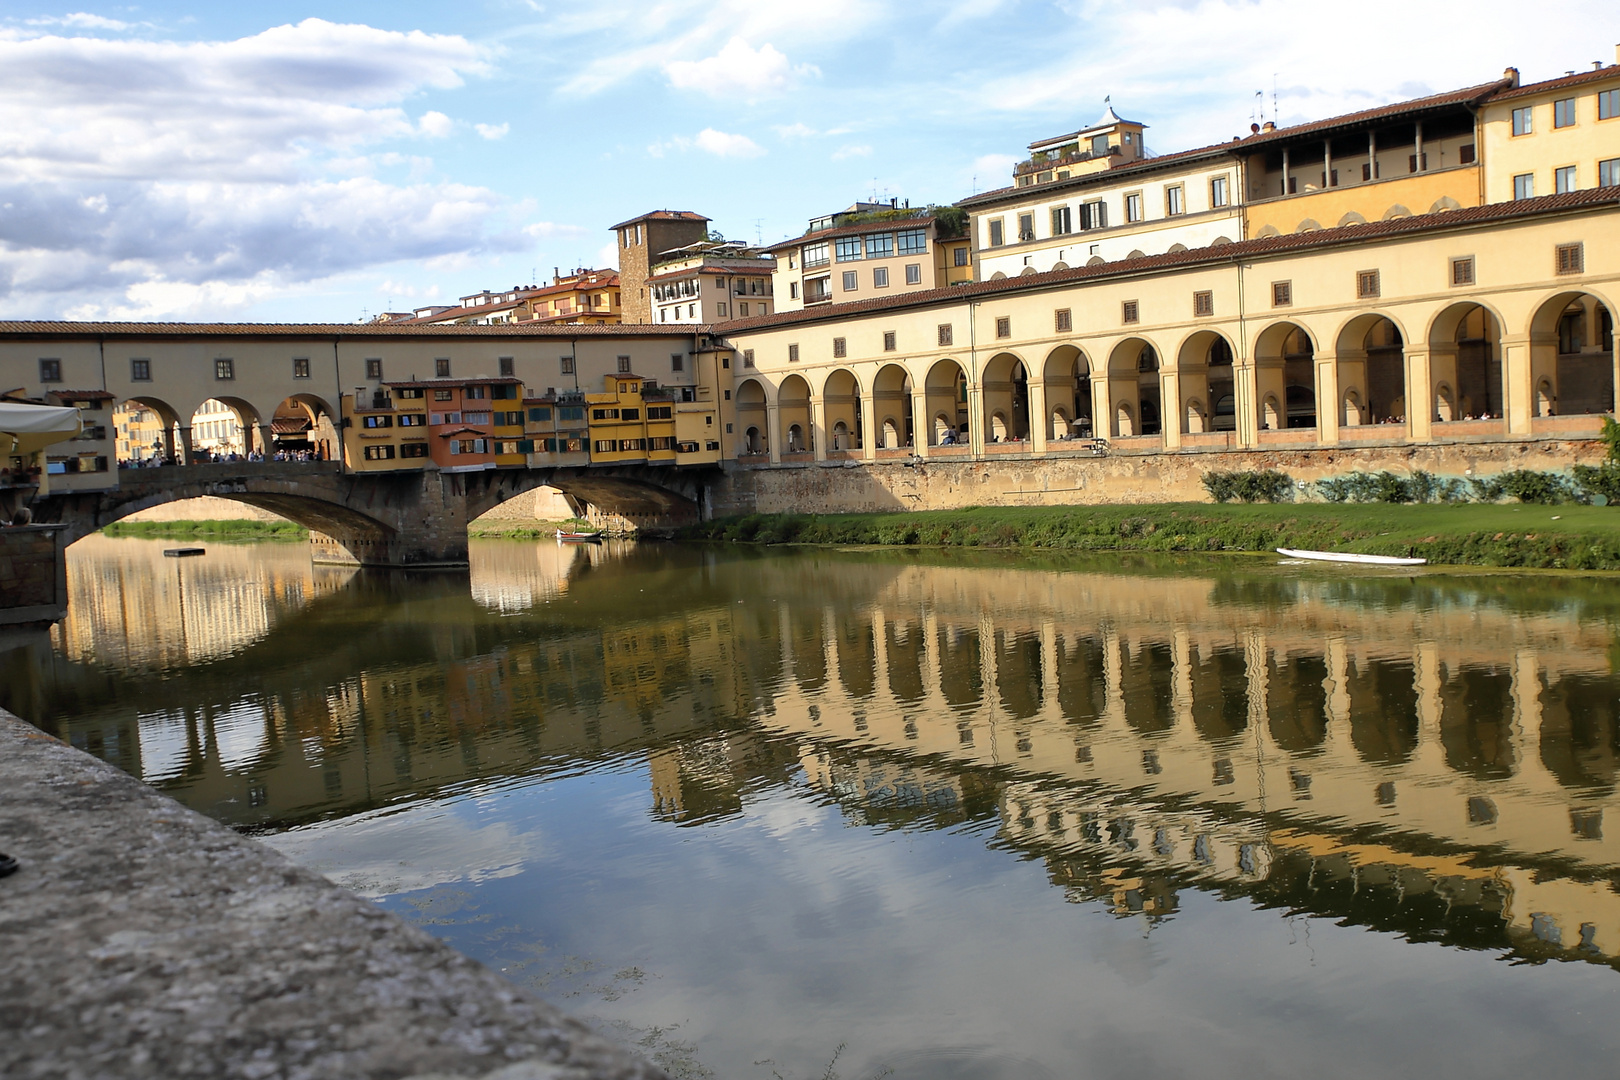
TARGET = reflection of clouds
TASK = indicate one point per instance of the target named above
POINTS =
(165, 745)
(396, 851)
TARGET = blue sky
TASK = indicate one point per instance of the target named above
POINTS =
(300, 162)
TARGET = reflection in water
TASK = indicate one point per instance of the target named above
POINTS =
(1429, 758)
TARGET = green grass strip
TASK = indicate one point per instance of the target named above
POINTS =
(235, 529)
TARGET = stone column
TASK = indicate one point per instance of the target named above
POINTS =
(185, 444)
(168, 444)
(1419, 395)
(1102, 406)
(976, 419)
(1329, 408)
(1517, 384)
(869, 427)
(265, 442)
(1040, 420)
(1171, 409)
(1443, 371)
(773, 431)
(818, 427)
(920, 424)
(1246, 389)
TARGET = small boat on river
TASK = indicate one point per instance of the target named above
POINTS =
(1350, 557)
(578, 536)
(184, 553)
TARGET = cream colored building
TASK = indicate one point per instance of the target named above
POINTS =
(1094, 195)
(1551, 137)
(871, 250)
(709, 282)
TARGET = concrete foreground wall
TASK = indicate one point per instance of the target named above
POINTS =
(1025, 480)
(144, 940)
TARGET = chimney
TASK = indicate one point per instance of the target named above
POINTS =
(1254, 129)
(1511, 76)
(1617, 55)
(1268, 126)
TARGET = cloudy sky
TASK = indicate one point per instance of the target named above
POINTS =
(284, 162)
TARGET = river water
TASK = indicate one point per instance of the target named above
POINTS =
(918, 814)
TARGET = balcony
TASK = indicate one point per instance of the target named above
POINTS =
(1049, 161)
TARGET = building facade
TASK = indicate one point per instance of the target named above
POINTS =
(709, 282)
(641, 241)
(871, 249)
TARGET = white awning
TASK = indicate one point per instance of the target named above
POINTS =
(26, 428)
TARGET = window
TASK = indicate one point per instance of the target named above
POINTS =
(1571, 258)
(1204, 303)
(373, 368)
(793, 290)
(1173, 202)
(1609, 173)
(1133, 207)
(1026, 226)
(629, 414)
(838, 347)
(604, 414)
(815, 255)
(743, 306)
(913, 242)
(567, 363)
(631, 444)
(658, 412)
(224, 369)
(720, 308)
(1094, 215)
(1564, 113)
(1367, 284)
(996, 237)
(1608, 104)
(1465, 154)
(748, 358)
(442, 395)
(1368, 172)
(961, 256)
(1564, 179)
(1282, 293)
(301, 368)
(441, 367)
(411, 450)
(1062, 221)
(849, 248)
(880, 277)
(382, 421)
(851, 281)
(50, 371)
(880, 246)
(1217, 191)
(913, 273)
(1523, 124)
(1063, 320)
(888, 341)
(624, 365)
(540, 414)
(793, 354)
(379, 452)
(1129, 312)
(1003, 326)
(141, 370)
(508, 366)
(945, 334)
(606, 446)
(570, 412)
(475, 392)
(1524, 186)
(1416, 162)
(1462, 271)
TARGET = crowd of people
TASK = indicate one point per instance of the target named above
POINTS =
(207, 457)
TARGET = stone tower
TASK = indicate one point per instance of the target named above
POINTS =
(640, 241)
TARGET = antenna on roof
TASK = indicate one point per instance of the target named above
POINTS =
(759, 232)
(1274, 97)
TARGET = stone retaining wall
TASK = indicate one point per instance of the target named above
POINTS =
(33, 576)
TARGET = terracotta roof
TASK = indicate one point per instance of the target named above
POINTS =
(285, 426)
(1579, 78)
(922, 220)
(439, 384)
(1467, 96)
(82, 395)
(662, 215)
(329, 331)
(1087, 179)
(462, 312)
(764, 269)
(1245, 249)
(461, 431)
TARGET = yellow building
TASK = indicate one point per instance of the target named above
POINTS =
(870, 250)
(1552, 137)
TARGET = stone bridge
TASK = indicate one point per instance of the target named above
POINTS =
(401, 519)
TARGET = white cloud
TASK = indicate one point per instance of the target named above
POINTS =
(738, 68)
(718, 143)
(435, 125)
(548, 230)
(845, 152)
(608, 256)
(80, 20)
(795, 130)
(493, 131)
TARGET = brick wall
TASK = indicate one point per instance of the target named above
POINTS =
(33, 575)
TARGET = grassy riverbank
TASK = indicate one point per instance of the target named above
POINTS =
(238, 529)
(1570, 536)
(522, 530)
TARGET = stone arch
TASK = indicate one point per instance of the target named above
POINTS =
(1465, 356)
(1271, 413)
(1285, 368)
(150, 424)
(1220, 241)
(1096, 260)
(891, 402)
(1371, 354)
(1308, 225)
(1028, 271)
(1352, 218)
(1005, 385)
(1176, 249)
(945, 399)
(1354, 414)
(1133, 381)
(1204, 363)
(1137, 253)
(1060, 265)
(1396, 211)
(793, 407)
(1572, 347)
(750, 404)
(1066, 375)
(998, 276)
(841, 404)
(305, 423)
(1267, 231)
(1444, 203)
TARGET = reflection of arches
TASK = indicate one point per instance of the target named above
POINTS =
(891, 401)
(1285, 368)
(1006, 394)
(1572, 349)
(945, 397)
(1465, 347)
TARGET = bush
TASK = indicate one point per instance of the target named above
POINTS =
(1388, 487)
(1269, 486)
(1526, 485)
(1603, 480)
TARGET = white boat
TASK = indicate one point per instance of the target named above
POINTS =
(1350, 557)
(574, 536)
